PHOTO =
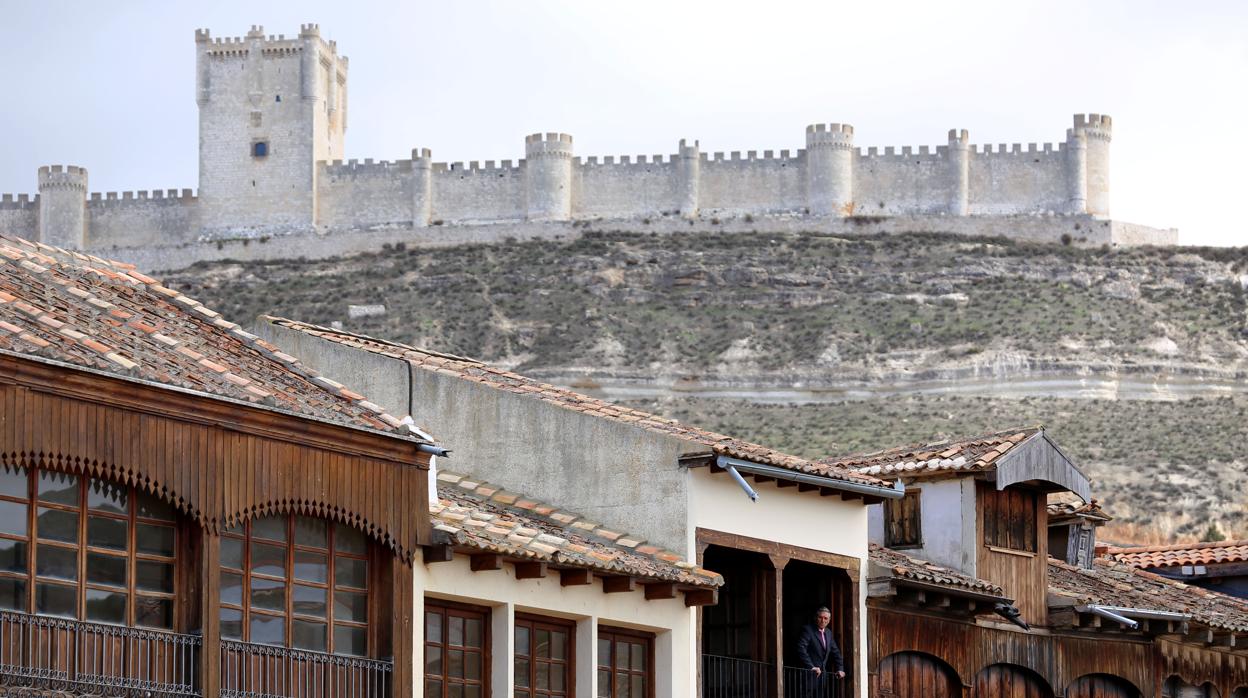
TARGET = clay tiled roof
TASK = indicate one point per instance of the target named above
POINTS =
(961, 455)
(1178, 555)
(479, 515)
(1111, 583)
(470, 369)
(902, 566)
(1091, 510)
(89, 312)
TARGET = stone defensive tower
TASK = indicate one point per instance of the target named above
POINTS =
(270, 109)
(1097, 130)
(63, 206)
(548, 176)
(830, 169)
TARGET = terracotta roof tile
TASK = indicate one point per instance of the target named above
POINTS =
(902, 566)
(484, 523)
(960, 455)
(470, 369)
(50, 307)
(1152, 557)
(1112, 583)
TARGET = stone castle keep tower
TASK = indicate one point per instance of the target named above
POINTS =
(272, 126)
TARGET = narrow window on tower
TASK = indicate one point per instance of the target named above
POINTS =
(278, 98)
(260, 149)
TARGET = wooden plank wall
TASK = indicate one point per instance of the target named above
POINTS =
(1024, 575)
(215, 474)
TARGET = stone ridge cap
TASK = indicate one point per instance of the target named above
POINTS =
(480, 372)
(564, 548)
(919, 455)
(38, 258)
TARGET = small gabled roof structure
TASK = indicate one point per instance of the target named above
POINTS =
(1163, 556)
(487, 521)
(1009, 457)
(900, 569)
(716, 445)
(70, 308)
(1066, 512)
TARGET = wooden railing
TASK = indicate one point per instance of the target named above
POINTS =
(59, 654)
(250, 670)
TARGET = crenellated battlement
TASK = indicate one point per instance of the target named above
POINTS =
(838, 136)
(904, 153)
(548, 145)
(14, 202)
(68, 177)
(627, 160)
(959, 138)
(1032, 149)
(1095, 126)
(171, 196)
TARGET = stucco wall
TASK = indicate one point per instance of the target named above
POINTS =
(947, 508)
(672, 623)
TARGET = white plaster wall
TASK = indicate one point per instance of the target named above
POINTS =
(673, 624)
(803, 519)
(949, 522)
(141, 218)
(905, 183)
(476, 193)
(364, 194)
(624, 189)
(748, 183)
(1019, 181)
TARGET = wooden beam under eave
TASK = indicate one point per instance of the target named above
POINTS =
(575, 577)
(763, 478)
(530, 570)
(437, 553)
(615, 585)
(803, 487)
(665, 590)
(785, 483)
(850, 496)
(486, 562)
(701, 597)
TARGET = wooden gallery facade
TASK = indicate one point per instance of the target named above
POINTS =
(184, 510)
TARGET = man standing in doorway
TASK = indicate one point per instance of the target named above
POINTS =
(818, 652)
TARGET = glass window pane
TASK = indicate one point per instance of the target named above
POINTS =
(307, 635)
(455, 631)
(152, 507)
(639, 656)
(152, 539)
(58, 488)
(153, 576)
(455, 690)
(153, 612)
(232, 553)
(472, 690)
(311, 567)
(522, 672)
(310, 601)
(106, 606)
(311, 532)
(13, 482)
(433, 689)
(107, 496)
(107, 533)
(621, 655)
(349, 540)
(522, 640)
(541, 676)
(12, 594)
(604, 683)
(268, 630)
(54, 524)
(56, 563)
(232, 588)
(352, 606)
(639, 686)
(56, 600)
(604, 652)
(558, 644)
(106, 569)
(455, 664)
(269, 559)
(12, 555)
(350, 640)
(472, 666)
(433, 660)
(231, 624)
(433, 626)
(269, 527)
(541, 647)
(268, 594)
(621, 686)
(472, 632)
(12, 518)
(349, 572)
(556, 677)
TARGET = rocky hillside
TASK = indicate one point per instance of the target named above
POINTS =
(873, 336)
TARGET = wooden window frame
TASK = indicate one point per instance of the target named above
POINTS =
(1010, 521)
(914, 495)
(534, 622)
(83, 548)
(243, 534)
(462, 610)
(613, 633)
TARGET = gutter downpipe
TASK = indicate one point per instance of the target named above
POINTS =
(732, 465)
(1119, 614)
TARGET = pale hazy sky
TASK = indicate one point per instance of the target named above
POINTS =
(110, 85)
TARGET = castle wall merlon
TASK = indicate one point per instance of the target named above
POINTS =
(19, 201)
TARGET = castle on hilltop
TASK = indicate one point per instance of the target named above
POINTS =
(272, 122)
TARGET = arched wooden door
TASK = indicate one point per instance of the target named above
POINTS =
(1102, 686)
(1010, 681)
(917, 675)
(1176, 687)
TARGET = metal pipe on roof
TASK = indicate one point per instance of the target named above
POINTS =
(433, 450)
(1124, 611)
(749, 491)
(1106, 613)
(897, 491)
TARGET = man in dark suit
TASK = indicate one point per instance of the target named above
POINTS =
(818, 652)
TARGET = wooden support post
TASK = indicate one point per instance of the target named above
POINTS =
(403, 592)
(209, 583)
(775, 619)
